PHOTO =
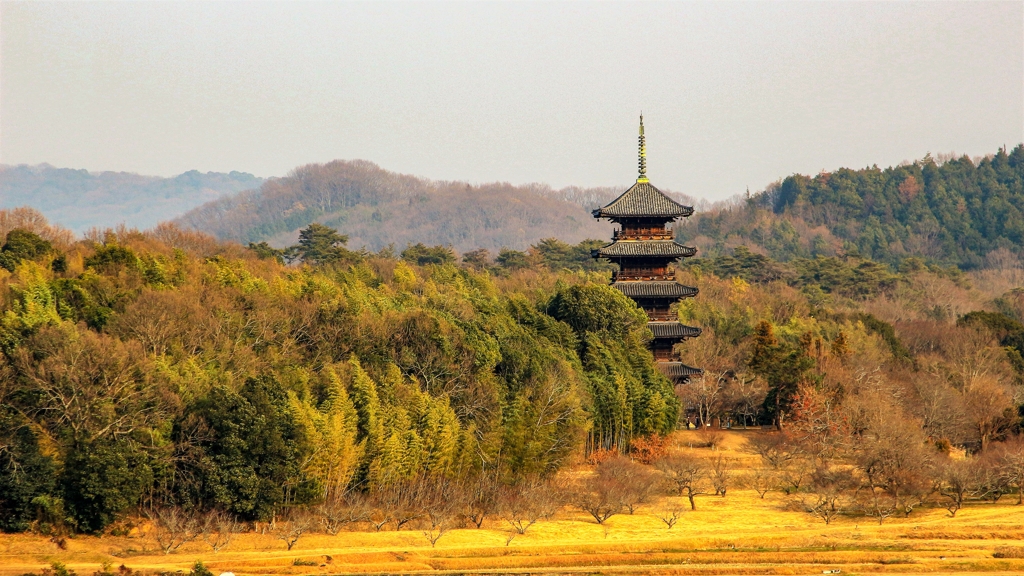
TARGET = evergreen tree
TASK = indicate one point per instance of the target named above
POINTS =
(782, 368)
(319, 245)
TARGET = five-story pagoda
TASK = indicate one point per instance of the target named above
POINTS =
(644, 250)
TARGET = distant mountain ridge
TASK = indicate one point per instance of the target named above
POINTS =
(377, 208)
(950, 210)
(80, 199)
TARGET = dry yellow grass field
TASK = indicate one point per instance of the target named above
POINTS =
(738, 534)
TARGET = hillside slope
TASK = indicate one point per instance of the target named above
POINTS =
(959, 211)
(375, 208)
(79, 199)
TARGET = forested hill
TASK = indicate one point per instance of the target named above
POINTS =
(79, 199)
(951, 211)
(375, 208)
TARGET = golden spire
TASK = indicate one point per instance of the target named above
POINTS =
(643, 153)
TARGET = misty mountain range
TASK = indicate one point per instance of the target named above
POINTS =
(80, 200)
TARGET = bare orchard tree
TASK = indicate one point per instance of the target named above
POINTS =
(523, 504)
(481, 499)
(173, 527)
(598, 495)
(441, 499)
(396, 502)
(687, 475)
(785, 455)
(895, 463)
(959, 481)
(775, 448)
(295, 523)
(635, 483)
(341, 510)
(993, 484)
(1010, 464)
(762, 480)
(720, 475)
(796, 473)
(670, 513)
(830, 492)
(218, 528)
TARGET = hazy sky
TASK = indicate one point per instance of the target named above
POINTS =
(734, 95)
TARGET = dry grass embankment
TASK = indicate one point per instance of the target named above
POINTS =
(738, 534)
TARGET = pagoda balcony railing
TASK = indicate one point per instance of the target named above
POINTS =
(622, 235)
(622, 276)
(660, 315)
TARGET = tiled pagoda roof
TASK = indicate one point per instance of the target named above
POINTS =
(654, 289)
(673, 330)
(677, 369)
(654, 248)
(643, 200)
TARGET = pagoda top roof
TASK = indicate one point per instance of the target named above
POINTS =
(642, 248)
(673, 330)
(654, 289)
(643, 200)
(677, 369)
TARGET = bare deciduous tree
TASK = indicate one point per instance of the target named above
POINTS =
(338, 511)
(296, 522)
(530, 500)
(720, 475)
(744, 396)
(830, 491)
(686, 474)
(670, 514)
(775, 449)
(895, 461)
(218, 528)
(1010, 464)
(481, 499)
(173, 527)
(94, 385)
(762, 480)
(441, 500)
(599, 496)
(635, 483)
(959, 482)
(397, 502)
(704, 394)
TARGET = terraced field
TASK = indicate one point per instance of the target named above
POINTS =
(738, 534)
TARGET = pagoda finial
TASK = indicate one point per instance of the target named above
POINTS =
(643, 153)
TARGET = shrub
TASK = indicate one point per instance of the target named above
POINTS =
(1008, 552)
(647, 449)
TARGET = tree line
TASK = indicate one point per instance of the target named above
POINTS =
(168, 373)
(947, 210)
(165, 369)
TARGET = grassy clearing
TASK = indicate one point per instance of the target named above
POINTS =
(738, 534)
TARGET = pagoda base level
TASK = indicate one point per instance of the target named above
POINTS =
(678, 371)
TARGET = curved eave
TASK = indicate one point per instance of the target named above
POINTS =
(643, 200)
(672, 330)
(654, 289)
(678, 370)
(644, 249)
(602, 213)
